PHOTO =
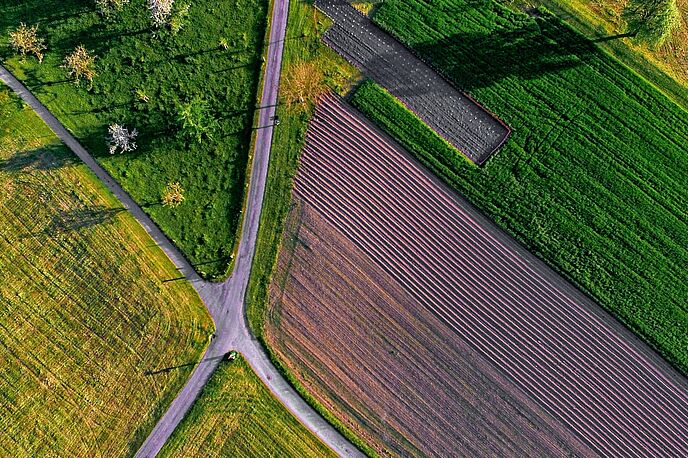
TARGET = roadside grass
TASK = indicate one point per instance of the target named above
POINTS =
(236, 415)
(85, 309)
(170, 70)
(593, 178)
(665, 67)
(303, 44)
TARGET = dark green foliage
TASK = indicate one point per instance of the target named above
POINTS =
(195, 120)
(651, 21)
(593, 179)
(168, 70)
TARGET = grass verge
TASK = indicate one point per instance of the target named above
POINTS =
(86, 314)
(236, 415)
(170, 70)
(591, 180)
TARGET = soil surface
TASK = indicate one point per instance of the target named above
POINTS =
(424, 327)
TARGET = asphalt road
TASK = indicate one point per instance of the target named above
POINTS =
(225, 301)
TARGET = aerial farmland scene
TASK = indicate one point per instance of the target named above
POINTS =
(318, 228)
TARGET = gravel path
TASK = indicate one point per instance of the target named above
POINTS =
(225, 301)
(457, 118)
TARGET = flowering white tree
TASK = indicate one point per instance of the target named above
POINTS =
(24, 40)
(121, 139)
(160, 11)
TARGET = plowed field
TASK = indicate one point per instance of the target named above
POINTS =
(429, 331)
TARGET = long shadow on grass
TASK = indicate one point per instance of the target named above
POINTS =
(45, 158)
(477, 60)
(180, 366)
(81, 218)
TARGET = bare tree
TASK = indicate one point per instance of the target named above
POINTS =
(173, 195)
(80, 64)
(651, 21)
(304, 83)
(160, 11)
(25, 41)
(122, 139)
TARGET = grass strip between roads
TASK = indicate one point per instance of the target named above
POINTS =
(304, 28)
(236, 415)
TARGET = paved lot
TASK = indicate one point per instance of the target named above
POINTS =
(457, 118)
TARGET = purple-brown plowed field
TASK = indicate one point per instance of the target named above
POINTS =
(428, 331)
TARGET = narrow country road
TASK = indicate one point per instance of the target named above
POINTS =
(225, 301)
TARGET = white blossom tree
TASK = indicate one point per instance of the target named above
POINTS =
(160, 11)
(121, 138)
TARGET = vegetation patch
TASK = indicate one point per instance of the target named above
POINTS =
(236, 415)
(593, 178)
(188, 87)
(86, 313)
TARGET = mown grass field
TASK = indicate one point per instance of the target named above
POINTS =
(85, 313)
(171, 70)
(593, 178)
(666, 66)
(236, 415)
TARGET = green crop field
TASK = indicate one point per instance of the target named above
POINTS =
(171, 71)
(85, 313)
(593, 179)
(236, 415)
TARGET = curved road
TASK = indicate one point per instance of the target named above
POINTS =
(225, 301)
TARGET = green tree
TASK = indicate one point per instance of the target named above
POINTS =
(651, 21)
(196, 120)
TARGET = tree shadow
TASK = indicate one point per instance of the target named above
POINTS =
(477, 60)
(81, 218)
(236, 67)
(470, 60)
(45, 158)
(165, 370)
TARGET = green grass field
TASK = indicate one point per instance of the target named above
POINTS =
(236, 415)
(593, 178)
(665, 67)
(171, 70)
(84, 309)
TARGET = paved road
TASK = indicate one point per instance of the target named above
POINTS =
(225, 301)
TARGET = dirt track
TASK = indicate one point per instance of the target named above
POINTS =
(528, 337)
(457, 118)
